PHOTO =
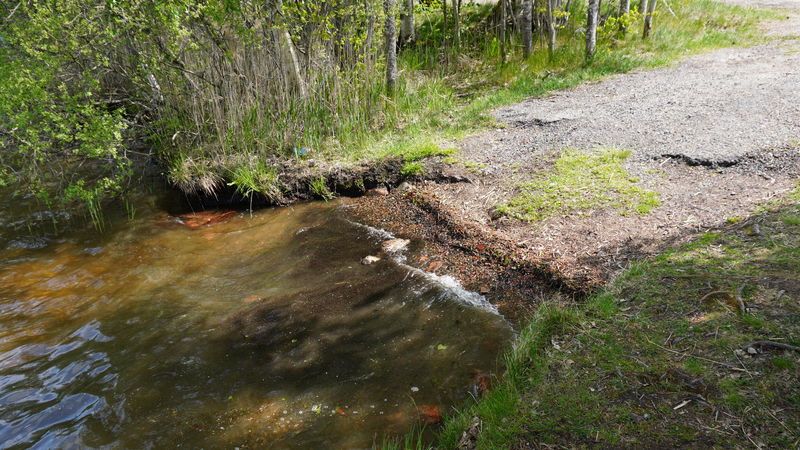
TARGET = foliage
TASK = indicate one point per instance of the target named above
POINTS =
(58, 133)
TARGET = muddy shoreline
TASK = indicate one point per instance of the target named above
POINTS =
(482, 259)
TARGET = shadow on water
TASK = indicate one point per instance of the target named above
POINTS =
(262, 331)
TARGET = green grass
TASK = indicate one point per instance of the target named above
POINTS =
(578, 182)
(653, 361)
(320, 189)
(411, 169)
(443, 96)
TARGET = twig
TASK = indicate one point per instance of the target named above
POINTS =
(740, 300)
(738, 369)
(779, 345)
(670, 9)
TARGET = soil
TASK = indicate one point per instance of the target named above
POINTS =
(715, 136)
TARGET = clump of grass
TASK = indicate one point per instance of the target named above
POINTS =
(411, 169)
(258, 177)
(320, 189)
(579, 182)
(791, 220)
(413, 440)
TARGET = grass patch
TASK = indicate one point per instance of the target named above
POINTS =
(654, 361)
(580, 182)
(411, 169)
(320, 189)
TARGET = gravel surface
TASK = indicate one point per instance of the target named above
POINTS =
(714, 107)
(715, 136)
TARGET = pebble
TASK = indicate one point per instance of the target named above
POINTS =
(367, 260)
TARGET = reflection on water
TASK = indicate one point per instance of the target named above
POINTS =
(263, 331)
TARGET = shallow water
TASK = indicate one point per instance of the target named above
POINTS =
(264, 331)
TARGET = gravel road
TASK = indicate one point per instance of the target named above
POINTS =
(722, 129)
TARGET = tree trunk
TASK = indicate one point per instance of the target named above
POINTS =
(526, 23)
(456, 23)
(288, 58)
(551, 29)
(370, 33)
(291, 65)
(407, 22)
(591, 29)
(648, 19)
(503, 30)
(642, 6)
(390, 34)
(624, 8)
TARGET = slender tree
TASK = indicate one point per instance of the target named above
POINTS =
(503, 30)
(624, 7)
(407, 22)
(551, 29)
(456, 23)
(642, 6)
(526, 32)
(648, 18)
(288, 56)
(390, 35)
(591, 29)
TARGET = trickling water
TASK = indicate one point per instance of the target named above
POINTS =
(262, 331)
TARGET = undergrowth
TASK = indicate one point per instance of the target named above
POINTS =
(444, 95)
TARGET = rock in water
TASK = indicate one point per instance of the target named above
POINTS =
(430, 414)
(200, 218)
(370, 260)
(395, 245)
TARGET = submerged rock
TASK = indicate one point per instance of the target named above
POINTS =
(370, 260)
(395, 245)
(430, 414)
(198, 219)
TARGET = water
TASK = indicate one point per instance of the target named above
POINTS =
(264, 331)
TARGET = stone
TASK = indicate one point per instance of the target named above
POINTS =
(370, 260)
(377, 192)
(200, 218)
(395, 245)
(405, 186)
(434, 266)
(430, 414)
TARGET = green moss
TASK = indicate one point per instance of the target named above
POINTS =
(581, 181)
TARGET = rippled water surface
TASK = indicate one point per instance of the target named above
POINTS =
(264, 331)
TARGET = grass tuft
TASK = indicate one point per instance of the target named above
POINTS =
(581, 182)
